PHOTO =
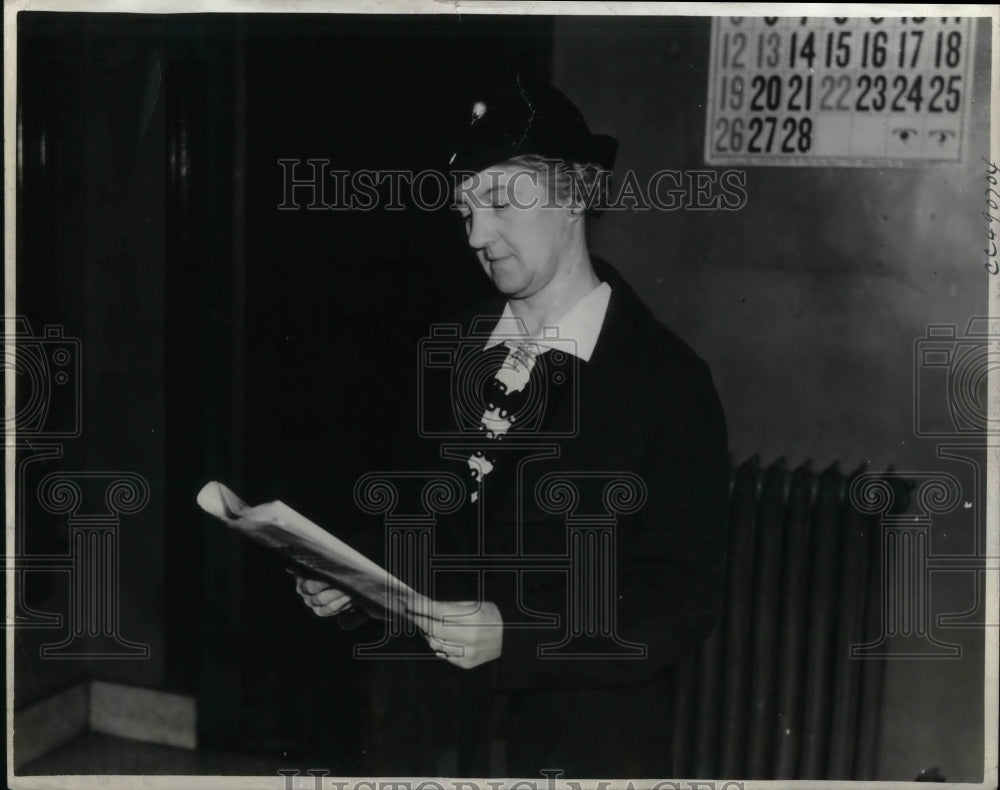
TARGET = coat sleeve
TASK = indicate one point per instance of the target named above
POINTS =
(670, 557)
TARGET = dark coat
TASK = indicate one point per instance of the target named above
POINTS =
(642, 410)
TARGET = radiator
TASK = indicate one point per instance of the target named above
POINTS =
(773, 692)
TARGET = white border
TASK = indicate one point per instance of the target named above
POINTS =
(498, 7)
(991, 648)
(495, 7)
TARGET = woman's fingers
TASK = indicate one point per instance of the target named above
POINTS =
(445, 649)
(331, 609)
(311, 586)
(464, 633)
(444, 644)
(327, 597)
(321, 596)
(328, 602)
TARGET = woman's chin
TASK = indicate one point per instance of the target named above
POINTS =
(505, 281)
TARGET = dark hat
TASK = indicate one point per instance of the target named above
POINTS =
(517, 121)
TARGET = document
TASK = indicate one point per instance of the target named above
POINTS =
(311, 550)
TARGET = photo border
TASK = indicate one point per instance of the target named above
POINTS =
(11, 9)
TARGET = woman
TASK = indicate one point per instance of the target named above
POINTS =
(597, 481)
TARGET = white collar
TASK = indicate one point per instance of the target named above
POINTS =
(575, 333)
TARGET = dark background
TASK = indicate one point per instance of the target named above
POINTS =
(277, 346)
(224, 339)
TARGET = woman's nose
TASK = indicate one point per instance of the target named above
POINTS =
(479, 231)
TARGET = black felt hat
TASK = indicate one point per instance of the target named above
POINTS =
(517, 121)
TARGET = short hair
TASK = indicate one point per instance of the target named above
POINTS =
(578, 183)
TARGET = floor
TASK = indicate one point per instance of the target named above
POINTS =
(94, 753)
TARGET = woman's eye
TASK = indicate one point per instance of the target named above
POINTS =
(500, 206)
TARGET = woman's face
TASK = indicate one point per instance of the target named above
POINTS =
(519, 232)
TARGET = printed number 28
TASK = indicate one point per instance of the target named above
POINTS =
(795, 135)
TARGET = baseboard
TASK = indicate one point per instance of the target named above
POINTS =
(143, 714)
(109, 708)
(55, 720)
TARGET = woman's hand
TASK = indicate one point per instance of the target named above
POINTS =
(463, 633)
(323, 598)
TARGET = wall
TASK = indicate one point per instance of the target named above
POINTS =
(124, 335)
(91, 259)
(806, 304)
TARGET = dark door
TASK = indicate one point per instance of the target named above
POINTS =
(301, 322)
